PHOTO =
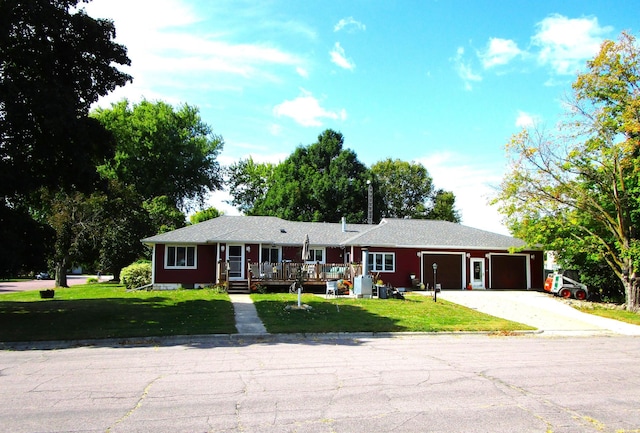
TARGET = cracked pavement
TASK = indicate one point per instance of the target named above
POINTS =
(439, 383)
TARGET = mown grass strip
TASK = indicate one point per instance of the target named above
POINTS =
(414, 314)
(108, 311)
(612, 313)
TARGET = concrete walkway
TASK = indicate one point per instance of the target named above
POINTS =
(247, 320)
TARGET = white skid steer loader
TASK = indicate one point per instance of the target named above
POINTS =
(565, 284)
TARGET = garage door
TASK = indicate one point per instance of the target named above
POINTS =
(508, 272)
(449, 273)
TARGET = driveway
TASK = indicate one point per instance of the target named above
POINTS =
(544, 311)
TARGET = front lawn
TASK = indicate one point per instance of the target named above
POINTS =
(414, 314)
(108, 311)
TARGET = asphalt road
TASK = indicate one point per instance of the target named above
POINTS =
(467, 383)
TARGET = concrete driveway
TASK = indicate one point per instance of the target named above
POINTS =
(544, 311)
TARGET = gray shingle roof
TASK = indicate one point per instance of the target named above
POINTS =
(390, 233)
(433, 234)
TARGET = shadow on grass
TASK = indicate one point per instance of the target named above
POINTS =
(80, 319)
(323, 317)
(130, 322)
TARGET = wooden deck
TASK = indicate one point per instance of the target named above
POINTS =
(288, 273)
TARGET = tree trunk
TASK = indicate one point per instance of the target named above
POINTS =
(61, 273)
(116, 275)
(632, 289)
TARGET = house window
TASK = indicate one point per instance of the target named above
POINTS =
(181, 257)
(382, 262)
(316, 255)
(270, 255)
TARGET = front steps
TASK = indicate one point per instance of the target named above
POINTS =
(238, 287)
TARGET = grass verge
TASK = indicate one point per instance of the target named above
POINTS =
(414, 314)
(611, 313)
(108, 311)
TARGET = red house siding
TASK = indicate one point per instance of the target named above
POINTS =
(205, 271)
(407, 263)
(502, 270)
(334, 255)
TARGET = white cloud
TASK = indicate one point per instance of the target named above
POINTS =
(499, 52)
(464, 69)
(349, 24)
(525, 120)
(566, 43)
(306, 110)
(169, 55)
(302, 72)
(338, 57)
(472, 183)
(218, 199)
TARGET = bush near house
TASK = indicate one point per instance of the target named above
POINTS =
(136, 275)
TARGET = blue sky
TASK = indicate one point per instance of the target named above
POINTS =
(442, 83)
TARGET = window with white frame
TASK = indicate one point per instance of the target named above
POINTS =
(180, 257)
(270, 254)
(382, 262)
(316, 255)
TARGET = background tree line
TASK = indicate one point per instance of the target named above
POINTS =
(325, 182)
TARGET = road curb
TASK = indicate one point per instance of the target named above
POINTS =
(254, 338)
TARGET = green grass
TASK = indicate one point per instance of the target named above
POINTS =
(108, 311)
(612, 313)
(414, 314)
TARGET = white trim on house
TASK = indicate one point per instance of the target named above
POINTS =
(478, 284)
(242, 260)
(314, 261)
(153, 264)
(371, 261)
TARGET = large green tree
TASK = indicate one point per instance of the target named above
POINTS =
(405, 190)
(162, 150)
(579, 190)
(319, 182)
(55, 61)
(248, 182)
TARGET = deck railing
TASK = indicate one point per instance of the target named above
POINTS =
(288, 272)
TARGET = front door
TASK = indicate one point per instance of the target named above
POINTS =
(236, 260)
(477, 273)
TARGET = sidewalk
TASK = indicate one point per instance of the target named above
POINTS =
(247, 320)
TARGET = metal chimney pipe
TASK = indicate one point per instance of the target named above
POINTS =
(344, 224)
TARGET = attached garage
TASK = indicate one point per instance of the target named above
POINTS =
(450, 269)
(508, 271)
